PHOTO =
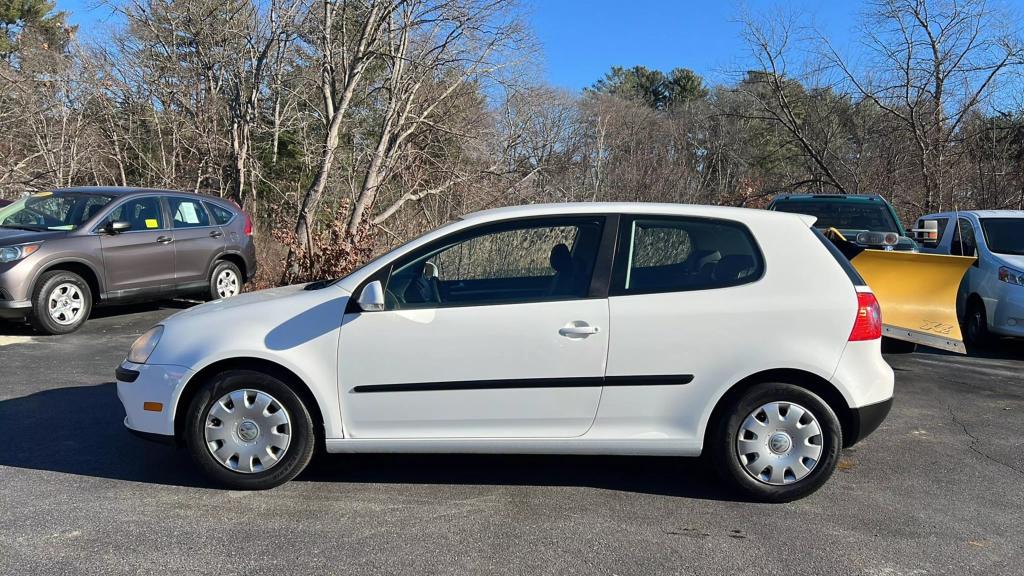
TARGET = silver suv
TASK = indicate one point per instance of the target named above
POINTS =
(63, 251)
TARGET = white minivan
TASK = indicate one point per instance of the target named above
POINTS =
(633, 329)
(991, 296)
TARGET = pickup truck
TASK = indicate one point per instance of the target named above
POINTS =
(864, 219)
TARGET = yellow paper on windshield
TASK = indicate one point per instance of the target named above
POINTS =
(152, 223)
(42, 194)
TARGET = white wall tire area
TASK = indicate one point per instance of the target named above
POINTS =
(61, 302)
(225, 280)
(249, 430)
(776, 443)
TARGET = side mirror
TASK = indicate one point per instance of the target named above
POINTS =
(928, 233)
(117, 226)
(371, 299)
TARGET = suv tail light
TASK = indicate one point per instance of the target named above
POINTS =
(868, 325)
(248, 224)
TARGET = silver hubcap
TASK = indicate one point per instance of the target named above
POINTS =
(779, 443)
(248, 431)
(65, 304)
(227, 284)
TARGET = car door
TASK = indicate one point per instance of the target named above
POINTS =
(963, 243)
(140, 260)
(684, 306)
(494, 333)
(197, 241)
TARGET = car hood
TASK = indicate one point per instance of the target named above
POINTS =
(254, 304)
(1012, 260)
(12, 236)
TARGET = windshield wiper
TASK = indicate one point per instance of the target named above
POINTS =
(23, 227)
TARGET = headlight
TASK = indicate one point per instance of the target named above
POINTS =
(1011, 276)
(144, 345)
(12, 253)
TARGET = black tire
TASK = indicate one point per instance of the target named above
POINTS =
(894, 346)
(220, 267)
(46, 286)
(297, 453)
(975, 329)
(724, 452)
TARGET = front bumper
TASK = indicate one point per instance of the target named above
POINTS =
(1008, 312)
(150, 400)
(15, 308)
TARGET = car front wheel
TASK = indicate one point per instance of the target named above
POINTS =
(777, 442)
(249, 430)
(61, 302)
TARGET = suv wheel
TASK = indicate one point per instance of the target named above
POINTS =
(777, 443)
(225, 280)
(249, 430)
(61, 302)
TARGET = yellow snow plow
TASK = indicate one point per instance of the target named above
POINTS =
(917, 292)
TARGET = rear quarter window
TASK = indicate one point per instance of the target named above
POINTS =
(220, 214)
(676, 254)
(841, 259)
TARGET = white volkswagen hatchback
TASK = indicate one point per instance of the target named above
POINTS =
(637, 329)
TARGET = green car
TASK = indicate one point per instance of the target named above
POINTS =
(864, 219)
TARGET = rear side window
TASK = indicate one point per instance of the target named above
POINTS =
(187, 213)
(680, 254)
(220, 215)
(843, 261)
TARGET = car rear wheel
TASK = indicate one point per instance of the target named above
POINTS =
(225, 280)
(61, 302)
(249, 430)
(776, 443)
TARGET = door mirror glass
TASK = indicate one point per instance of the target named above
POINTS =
(372, 297)
(118, 226)
(927, 233)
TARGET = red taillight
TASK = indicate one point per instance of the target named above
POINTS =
(868, 325)
(248, 224)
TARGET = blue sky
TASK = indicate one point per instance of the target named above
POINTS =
(582, 40)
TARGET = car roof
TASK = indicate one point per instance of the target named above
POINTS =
(120, 191)
(650, 208)
(978, 214)
(851, 197)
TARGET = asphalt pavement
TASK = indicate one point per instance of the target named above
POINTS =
(936, 490)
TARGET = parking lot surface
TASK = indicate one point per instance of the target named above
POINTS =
(936, 490)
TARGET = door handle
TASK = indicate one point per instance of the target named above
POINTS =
(216, 234)
(164, 239)
(578, 330)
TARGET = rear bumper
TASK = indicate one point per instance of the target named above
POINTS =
(865, 420)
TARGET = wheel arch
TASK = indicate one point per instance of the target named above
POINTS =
(236, 259)
(802, 378)
(84, 269)
(276, 370)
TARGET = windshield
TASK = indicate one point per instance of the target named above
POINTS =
(1004, 235)
(843, 214)
(50, 211)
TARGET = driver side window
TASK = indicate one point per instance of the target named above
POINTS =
(501, 264)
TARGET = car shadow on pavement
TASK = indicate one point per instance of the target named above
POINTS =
(22, 327)
(79, 430)
(664, 476)
(996, 349)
